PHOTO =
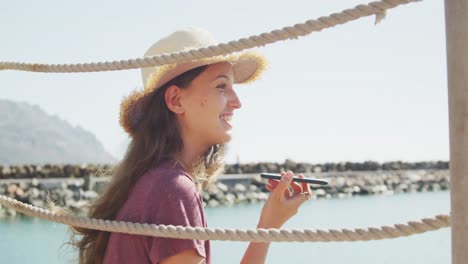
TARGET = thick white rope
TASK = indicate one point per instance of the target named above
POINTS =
(257, 235)
(377, 8)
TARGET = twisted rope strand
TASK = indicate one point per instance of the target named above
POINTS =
(259, 235)
(255, 235)
(377, 8)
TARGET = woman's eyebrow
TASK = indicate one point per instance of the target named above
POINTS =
(223, 76)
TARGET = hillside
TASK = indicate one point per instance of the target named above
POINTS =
(28, 135)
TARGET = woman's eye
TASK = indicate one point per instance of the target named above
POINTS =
(221, 86)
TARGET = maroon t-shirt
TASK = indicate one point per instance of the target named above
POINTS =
(164, 195)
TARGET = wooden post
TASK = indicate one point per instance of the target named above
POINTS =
(456, 25)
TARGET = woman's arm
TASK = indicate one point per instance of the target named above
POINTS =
(280, 206)
(179, 204)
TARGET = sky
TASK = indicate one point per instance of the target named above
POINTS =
(354, 92)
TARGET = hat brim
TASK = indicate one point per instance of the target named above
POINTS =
(246, 67)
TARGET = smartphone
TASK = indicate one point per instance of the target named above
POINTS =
(296, 179)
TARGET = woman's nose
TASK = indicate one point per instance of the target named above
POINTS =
(234, 101)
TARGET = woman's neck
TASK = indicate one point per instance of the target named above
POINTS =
(188, 157)
(193, 149)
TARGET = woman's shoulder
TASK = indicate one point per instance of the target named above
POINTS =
(168, 170)
(159, 187)
(168, 177)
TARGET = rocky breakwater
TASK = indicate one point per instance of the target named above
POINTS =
(302, 167)
(74, 193)
(348, 184)
(251, 188)
(69, 194)
(48, 171)
(51, 171)
(65, 185)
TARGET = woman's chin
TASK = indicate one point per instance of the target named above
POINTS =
(225, 139)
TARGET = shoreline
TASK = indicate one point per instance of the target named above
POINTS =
(229, 189)
(45, 171)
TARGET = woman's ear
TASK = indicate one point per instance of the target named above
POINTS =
(172, 97)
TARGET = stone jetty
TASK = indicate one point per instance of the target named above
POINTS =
(79, 171)
(73, 187)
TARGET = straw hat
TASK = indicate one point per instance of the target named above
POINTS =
(246, 66)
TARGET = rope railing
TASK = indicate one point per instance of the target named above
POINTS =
(255, 235)
(377, 8)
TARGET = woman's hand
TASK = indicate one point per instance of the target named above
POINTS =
(284, 201)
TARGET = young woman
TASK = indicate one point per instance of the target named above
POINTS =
(179, 124)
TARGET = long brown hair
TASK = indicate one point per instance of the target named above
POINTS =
(157, 138)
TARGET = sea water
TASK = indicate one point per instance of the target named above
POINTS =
(27, 240)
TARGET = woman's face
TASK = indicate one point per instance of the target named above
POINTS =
(208, 104)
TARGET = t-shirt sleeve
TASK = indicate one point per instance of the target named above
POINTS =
(179, 205)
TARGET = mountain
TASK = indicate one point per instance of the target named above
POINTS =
(28, 135)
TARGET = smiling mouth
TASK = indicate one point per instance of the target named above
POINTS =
(226, 119)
